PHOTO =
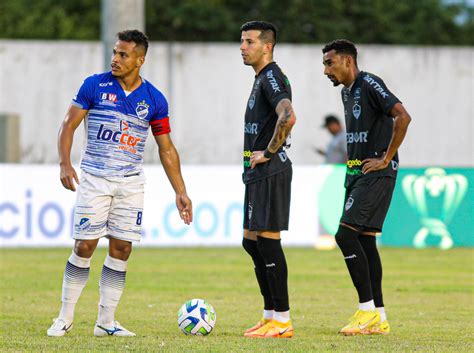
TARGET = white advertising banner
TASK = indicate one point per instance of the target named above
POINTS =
(35, 210)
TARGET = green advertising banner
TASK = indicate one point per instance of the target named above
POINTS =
(431, 207)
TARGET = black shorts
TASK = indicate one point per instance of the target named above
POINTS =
(267, 203)
(366, 203)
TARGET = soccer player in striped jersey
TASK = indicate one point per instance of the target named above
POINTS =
(117, 107)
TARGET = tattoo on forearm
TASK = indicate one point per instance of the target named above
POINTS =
(282, 128)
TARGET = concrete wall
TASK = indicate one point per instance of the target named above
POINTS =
(207, 87)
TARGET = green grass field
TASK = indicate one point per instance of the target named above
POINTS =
(428, 296)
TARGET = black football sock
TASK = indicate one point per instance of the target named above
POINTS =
(277, 271)
(260, 272)
(369, 244)
(356, 261)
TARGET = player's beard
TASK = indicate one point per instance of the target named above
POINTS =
(334, 81)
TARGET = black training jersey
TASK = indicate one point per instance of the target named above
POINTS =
(269, 88)
(367, 104)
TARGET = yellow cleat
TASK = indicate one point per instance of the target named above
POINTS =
(382, 328)
(361, 323)
(273, 329)
(259, 324)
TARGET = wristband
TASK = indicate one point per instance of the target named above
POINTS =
(268, 154)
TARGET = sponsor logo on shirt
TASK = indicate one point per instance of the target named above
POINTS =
(354, 163)
(357, 93)
(376, 85)
(105, 84)
(247, 154)
(345, 95)
(109, 99)
(142, 109)
(353, 171)
(251, 128)
(273, 81)
(357, 137)
(125, 140)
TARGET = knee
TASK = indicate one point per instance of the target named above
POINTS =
(84, 248)
(345, 236)
(340, 238)
(268, 247)
(250, 246)
(120, 251)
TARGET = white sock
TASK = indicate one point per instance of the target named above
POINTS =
(282, 316)
(268, 314)
(112, 283)
(383, 316)
(75, 278)
(367, 306)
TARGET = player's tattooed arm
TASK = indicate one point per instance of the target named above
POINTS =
(286, 121)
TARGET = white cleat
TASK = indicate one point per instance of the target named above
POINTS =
(111, 329)
(59, 328)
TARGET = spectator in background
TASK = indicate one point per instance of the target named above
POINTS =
(336, 151)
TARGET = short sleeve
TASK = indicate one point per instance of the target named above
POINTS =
(275, 87)
(84, 99)
(379, 95)
(159, 122)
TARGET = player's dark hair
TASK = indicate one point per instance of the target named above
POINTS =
(342, 46)
(268, 31)
(134, 35)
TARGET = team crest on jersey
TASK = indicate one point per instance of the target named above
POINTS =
(252, 101)
(142, 109)
(356, 109)
(349, 203)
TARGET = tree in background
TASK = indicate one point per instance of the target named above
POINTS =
(425, 22)
(50, 19)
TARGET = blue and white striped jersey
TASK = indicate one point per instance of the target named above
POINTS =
(117, 124)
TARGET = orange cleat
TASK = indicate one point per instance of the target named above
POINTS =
(273, 329)
(259, 324)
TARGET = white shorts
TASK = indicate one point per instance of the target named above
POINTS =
(107, 207)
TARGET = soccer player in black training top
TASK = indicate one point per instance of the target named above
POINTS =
(376, 124)
(269, 118)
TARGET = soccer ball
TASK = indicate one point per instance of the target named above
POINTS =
(196, 317)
